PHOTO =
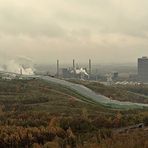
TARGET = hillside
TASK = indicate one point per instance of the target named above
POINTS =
(136, 94)
(42, 96)
(34, 114)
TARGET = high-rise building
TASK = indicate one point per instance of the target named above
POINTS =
(143, 69)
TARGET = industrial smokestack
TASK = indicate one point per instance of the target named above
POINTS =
(73, 64)
(57, 68)
(21, 71)
(89, 68)
(74, 68)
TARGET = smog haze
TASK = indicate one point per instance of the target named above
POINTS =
(107, 31)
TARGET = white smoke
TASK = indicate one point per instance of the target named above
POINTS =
(18, 68)
(1, 68)
(21, 65)
(81, 71)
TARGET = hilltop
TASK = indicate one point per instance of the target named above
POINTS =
(34, 113)
(131, 93)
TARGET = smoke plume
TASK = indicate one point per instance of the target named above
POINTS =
(20, 65)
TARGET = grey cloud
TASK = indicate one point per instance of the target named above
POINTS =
(48, 29)
(14, 20)
(30, 26)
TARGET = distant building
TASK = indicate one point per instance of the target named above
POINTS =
(66, 73)
(115, 75)
(133, 77)
(143, 69)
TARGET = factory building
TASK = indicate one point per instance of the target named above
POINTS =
(75, 72)
(66, 73)
(143, 69)
(115, 75)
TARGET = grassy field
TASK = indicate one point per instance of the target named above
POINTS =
(34, 114)
(136, 94)
(42, 96)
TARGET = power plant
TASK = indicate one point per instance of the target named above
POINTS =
(74, 71)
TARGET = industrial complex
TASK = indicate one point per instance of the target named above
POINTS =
(83, 72)
(113, 77)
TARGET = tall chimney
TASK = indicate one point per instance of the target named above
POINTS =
(21, 71)
(74, 68)
(89, 68)
(73, 64)
(57, 68)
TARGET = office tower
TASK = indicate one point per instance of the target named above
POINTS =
(143, 69)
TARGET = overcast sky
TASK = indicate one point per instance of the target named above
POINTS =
(104, 30)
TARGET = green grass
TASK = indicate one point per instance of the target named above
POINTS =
(126, 93)
(37, 95)
(34, 111)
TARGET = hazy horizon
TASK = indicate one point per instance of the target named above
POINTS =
(110, 31)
